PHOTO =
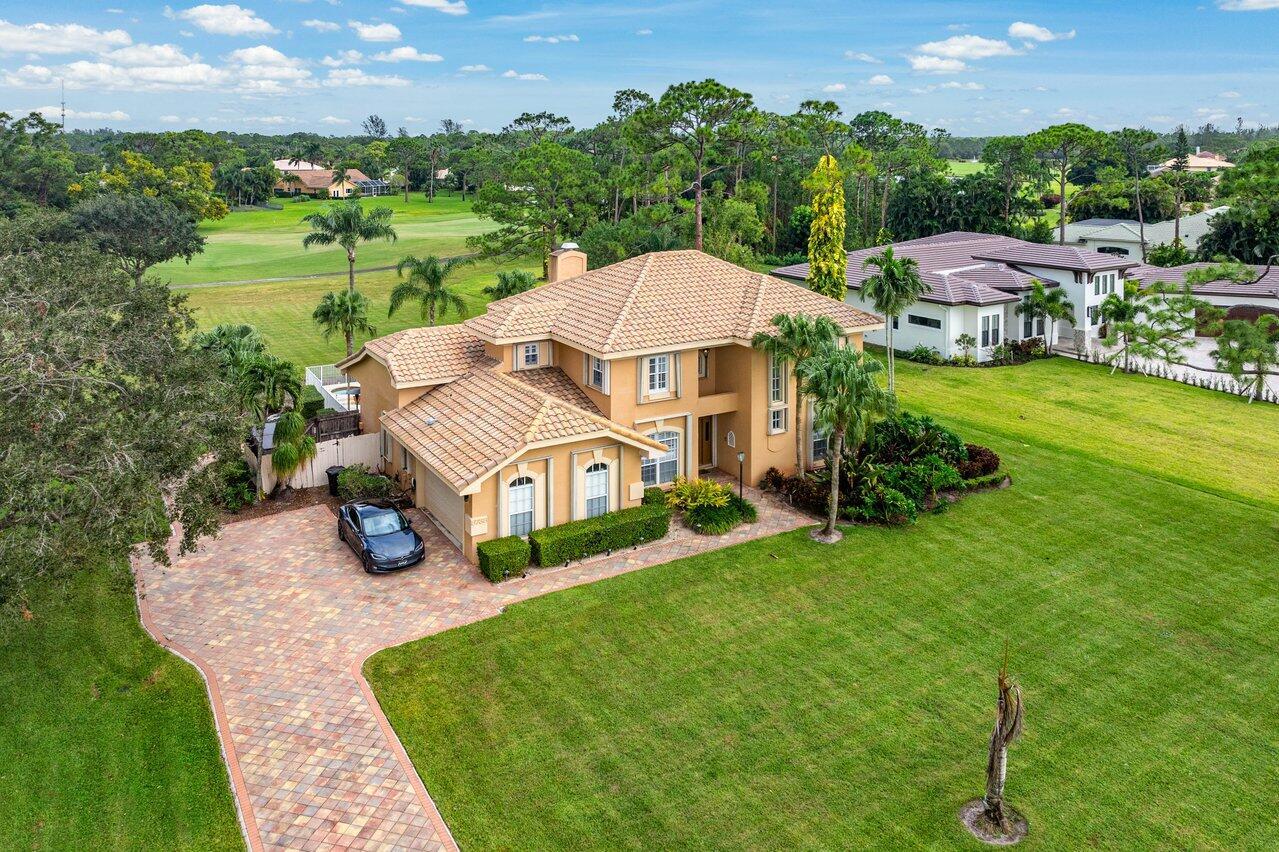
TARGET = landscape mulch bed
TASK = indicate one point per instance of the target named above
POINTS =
(294, 498)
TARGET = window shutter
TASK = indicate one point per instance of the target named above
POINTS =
(608, 377)
(586, 369)
(677, 384)
(639, 379)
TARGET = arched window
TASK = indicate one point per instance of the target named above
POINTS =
(665, 468)
(596, 489)
(519, 504)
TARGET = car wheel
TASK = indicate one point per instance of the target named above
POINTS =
(368, 564)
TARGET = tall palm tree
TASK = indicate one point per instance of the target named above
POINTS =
(893, 288)
(797, 338)
(1052, 305)
(1119, 314)
(267, 385)
(510, 282)
(427, 284)
(347, 224)
(346, 314)
(847, 400)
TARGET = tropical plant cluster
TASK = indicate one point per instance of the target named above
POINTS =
(357, 482)
(709, 507)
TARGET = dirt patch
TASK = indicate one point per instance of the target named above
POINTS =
(294, 498)
(972, 815)
(816, 535)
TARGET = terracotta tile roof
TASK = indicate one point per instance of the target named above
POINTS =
(427, 355)
(322, 178)
(468, 428)
(671, 299)
(554, 381)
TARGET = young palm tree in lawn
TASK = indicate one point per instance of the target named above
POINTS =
(1119, 315)
(1008, 724)
(427, 285)
(895, 286)
(797, 338)
(346, 314)
(348, 224)
(847, 400)
(510, 282)
(1051, 305)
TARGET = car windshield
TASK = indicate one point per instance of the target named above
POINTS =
(383, 522)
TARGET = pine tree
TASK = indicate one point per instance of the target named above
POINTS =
(827, 261)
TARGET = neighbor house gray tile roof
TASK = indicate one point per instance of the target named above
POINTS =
(675, 299)
(1072, 258)
(1266, 288)
(1194, 227)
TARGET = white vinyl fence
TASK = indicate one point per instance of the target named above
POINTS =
(354, 449)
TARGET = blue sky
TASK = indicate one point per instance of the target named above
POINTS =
(322, 65)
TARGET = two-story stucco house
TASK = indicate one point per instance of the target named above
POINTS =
(976, 281)
(566, 401)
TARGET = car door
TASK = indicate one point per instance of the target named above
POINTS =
(357, 534)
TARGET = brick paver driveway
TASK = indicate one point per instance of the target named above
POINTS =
(279, 617)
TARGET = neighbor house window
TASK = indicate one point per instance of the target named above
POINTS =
(776, 396)
(520, 505)
(926, 322)
(1029, 325)
(596, 489)
(703, 363)
(896, 323)
(821, 445)
(664, 468)
(404, 458)
(532, 354)
(595, 372)
(659, 374)
(776, 420)
(990, 330)
(1093, 314)
(385, 452)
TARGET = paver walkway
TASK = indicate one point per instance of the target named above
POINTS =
(279, 617)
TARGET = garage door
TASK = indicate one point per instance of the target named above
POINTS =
(444, 505)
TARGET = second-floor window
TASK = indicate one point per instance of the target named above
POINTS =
(595, 372)
(776, 396)
(531, 355)
(703, 363)
(659, 374)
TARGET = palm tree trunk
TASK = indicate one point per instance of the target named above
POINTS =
(799, 432)
(1061, 213)
(1141, 221)
(892, 367)
(832, 510)
(350, 273)
(697, 210)
(350, 342)
(430, 315)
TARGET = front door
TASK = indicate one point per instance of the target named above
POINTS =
(705, 442)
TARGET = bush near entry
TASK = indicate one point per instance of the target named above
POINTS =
(564, 543)
(503, 557)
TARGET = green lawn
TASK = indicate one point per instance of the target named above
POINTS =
(960, 168)
(784, 694)
(106, 740)
(281, 310)
(268, 243)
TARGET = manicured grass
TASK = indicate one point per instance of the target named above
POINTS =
(784, 694)
(959, 168)
(106, 740)
(281, 310)
(268, 243)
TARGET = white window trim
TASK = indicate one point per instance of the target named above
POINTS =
(650, 374)
(779, 397)
(656, 463)
(520, 355)
(703, 363)
(531, 485)
(586, 487)
(602, 387)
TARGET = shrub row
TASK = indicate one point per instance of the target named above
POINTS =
(503, 557)
(654, 496)
(990, 480)
(564, 543)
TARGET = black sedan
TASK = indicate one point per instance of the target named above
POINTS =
(380, 535)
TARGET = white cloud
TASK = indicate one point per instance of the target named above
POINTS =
(406, 54)
(644, 32)
(149, 54)
(880, 80)
(229, 20)
(170, 119)
(58, 38)
(1230, 95)
(512, 74)
(53, 112)
(356, 77)
(967, 47)
(343, 57)
(106, 76)
(265, 70)
(834, 87)
(936, 65)
(862, 57)
(270, 119)
(1247, 5)
(968, 87)
(474, 69)
(322, 26)
(448, 7)
(1034, 32)
(375, 32)
(551, 39)
(333, 119)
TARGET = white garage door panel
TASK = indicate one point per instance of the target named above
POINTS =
(444, 505)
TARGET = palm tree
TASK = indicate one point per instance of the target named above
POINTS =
(847, 400)
(510, 282)
(231, 343)
(798, 337)
(267, 385)
(427, 284)
(347, 224)
(895, 287)
(1051, 305)
(339, 176)
(1008, 724)
(346, 314)
(292, 181)
(1119, 314)
(292, 446)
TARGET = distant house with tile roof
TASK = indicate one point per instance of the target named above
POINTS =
(303, 178)
(566, 401)
(1123, 237)
(976, 281)
(1200, 161)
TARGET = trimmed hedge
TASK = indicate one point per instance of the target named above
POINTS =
(503, 557)
(564, 543)
(311, 403)
(653, 496)
(990, 480)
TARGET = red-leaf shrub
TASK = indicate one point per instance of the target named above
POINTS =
(982, 461)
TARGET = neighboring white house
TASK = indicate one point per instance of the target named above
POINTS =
(1242, 300)
(1122, 237)
(976, 282)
